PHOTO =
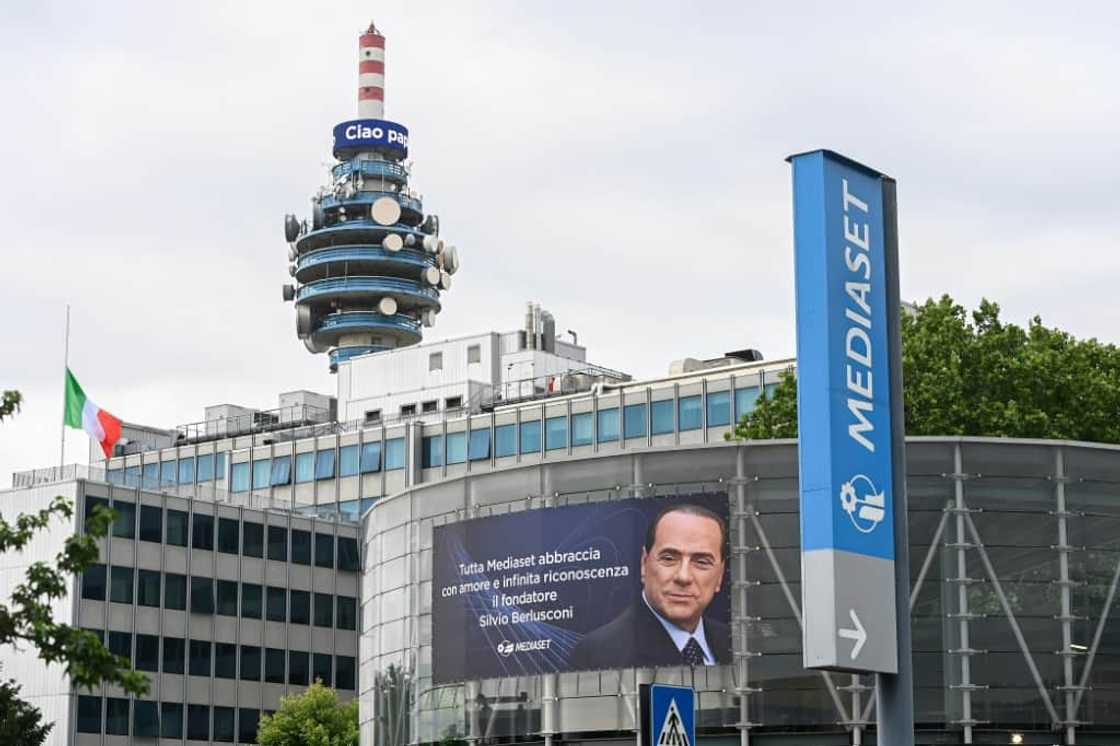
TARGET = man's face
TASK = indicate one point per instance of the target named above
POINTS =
(684, 569)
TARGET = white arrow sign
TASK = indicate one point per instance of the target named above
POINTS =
(859, 634)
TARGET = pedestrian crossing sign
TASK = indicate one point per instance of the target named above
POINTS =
(667, 715)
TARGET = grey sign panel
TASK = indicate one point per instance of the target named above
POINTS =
(848, 611)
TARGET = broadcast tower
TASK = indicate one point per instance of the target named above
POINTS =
(370, 266)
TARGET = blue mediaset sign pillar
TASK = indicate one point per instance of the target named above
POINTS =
(843, 217)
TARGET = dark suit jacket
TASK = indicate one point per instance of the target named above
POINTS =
(636, 637)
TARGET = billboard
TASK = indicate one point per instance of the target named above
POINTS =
(844, 415)
(575, 588)
(371, 133)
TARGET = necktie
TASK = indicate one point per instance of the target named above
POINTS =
(693, 654)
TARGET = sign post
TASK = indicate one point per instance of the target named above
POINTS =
(854, 543)
(667, 714)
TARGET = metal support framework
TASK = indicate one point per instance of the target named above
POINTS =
(830, 685)
(740, 601)
(1082, 684)
(1063, 548)
(964, 647)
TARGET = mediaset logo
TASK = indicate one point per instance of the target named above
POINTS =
(506, 648)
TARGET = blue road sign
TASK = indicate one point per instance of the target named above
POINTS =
(667, 715)
(844, 415)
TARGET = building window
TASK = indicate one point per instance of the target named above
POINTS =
(347, 612)
(556, 433)
(474, 354)
(132, 476)
(435, 362)
(223, 724)
(177, 528)
(89, 714)
(116, 716)
(228, 539)
(348, 554)
(278, 543)
(297, 668)
(583, 427)
(220, 466)
(186, 471)
(225, 660)
(453, 402)
(344, 672)
(321, 668)
(200, 658)
(151, 523)
(299, 607)
(505, 440)
(324, 465)
(114, 476)
(147, 588)
(147, 653)
(634, 421)
(93, 583)
(247, 721)
(202, 596)
(171, 720)
(227, 598)
(92, 503)
(456, 448)
(301, 547)
(251, 600)
(274, 665)
(145, 719)
(167, 473)
(120, 645)
(719, 408)
(372, 416)
(252, 537)
(281, 471)
(430, 406)
(431, 451)
(745, 400)
(324, 550)
(394, 454)
(262, 473)
(205, 471)
(250, 663)
(608, 425)
(124, 525)
(305, 467)
(276, 607)
(661, 416)
(689, 416)
(531, 436)
(174, 653)
(203, 534)
(324, 610)
(121, 582)
(239, 477)
(174, 591)
(407, 410)
(478, 448)
(198, 722)
(151, 476)
(371, 457)
(348, 461)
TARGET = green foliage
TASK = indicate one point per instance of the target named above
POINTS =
(9, 403)
(20, 722)
(27, 617)
(972, 374)
(314, 718)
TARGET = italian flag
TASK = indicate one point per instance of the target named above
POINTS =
(83, 414)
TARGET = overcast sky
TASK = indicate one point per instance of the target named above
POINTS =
(620, 163)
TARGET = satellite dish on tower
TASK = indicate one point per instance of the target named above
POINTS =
(303, 322)
(431, 274)
(445, 280)
(392, 242)
(292, 253)
(387, 306)
(430, 244)
(451, 260)
(410, 240)
(289, 292)
(291, 228)
(385, 211)
(316, 216)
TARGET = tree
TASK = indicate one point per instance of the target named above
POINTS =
(20, 722)
(26, 616)
(976, 375)
(314, 718)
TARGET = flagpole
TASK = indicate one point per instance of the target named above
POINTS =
(65, 370)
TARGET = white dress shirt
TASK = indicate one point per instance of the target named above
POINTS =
(681, 637)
